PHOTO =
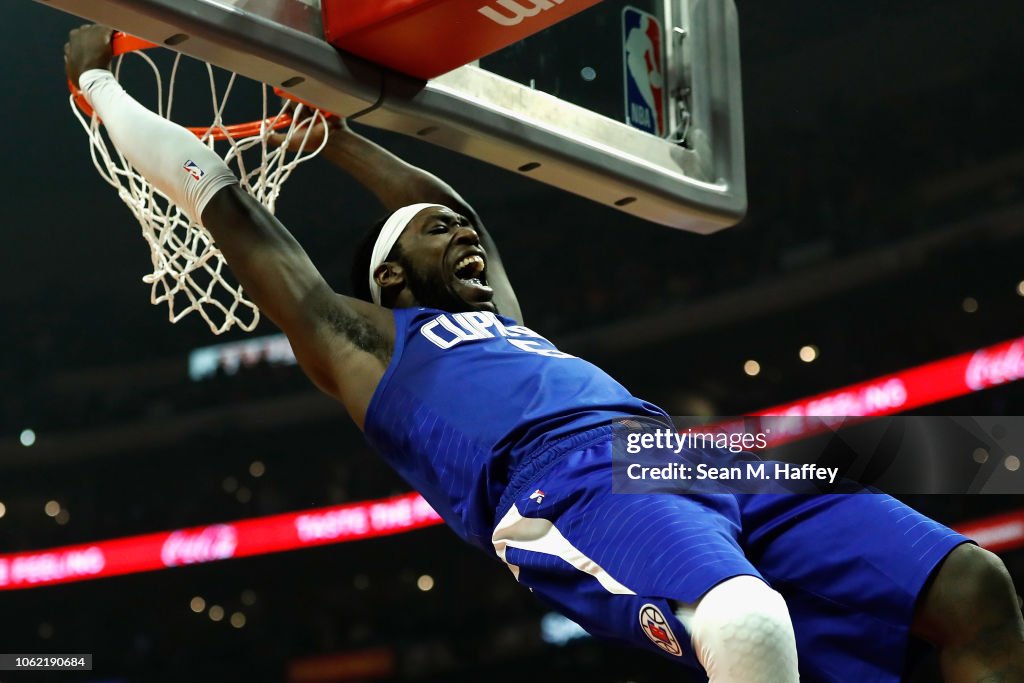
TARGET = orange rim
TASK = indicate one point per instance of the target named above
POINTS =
(123, 43)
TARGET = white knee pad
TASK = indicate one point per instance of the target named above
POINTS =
(742, 633)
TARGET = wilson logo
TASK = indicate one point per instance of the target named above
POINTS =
(513, 13)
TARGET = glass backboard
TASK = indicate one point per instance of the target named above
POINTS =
(635, 104)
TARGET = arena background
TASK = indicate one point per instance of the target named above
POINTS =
(885, 168)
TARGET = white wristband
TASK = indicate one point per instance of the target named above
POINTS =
(169, 156)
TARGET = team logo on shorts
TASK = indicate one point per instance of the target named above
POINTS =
(537, 496)
(656, 627)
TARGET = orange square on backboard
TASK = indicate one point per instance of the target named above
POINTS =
(426, 38)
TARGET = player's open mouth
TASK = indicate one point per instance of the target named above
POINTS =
(470, 271)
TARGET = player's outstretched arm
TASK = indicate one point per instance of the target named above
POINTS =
(397, 183)
(343, 344)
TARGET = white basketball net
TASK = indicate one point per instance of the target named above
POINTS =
(189, 272)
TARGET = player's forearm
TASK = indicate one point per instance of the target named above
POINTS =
(394, 181)
(270, 265)
(170, 157)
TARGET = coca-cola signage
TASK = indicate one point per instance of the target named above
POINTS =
(989, 368)
(217, 542)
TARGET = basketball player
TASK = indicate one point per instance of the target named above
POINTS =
(509, 439)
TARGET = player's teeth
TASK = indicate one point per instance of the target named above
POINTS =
(469, 260)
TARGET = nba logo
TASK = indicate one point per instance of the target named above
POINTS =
(643, 70)
(192, 168)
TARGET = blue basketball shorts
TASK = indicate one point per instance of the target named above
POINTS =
(849, 566)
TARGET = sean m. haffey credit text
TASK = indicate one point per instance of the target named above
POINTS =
(666, 441)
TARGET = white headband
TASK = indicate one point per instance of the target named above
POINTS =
(389, 234)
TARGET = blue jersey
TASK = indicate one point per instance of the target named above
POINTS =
(470, 399)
